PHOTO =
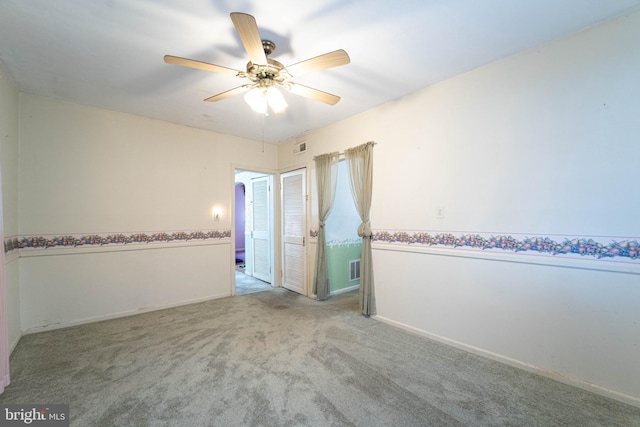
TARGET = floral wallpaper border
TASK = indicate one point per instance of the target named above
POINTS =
(92, 240)
(587, 247)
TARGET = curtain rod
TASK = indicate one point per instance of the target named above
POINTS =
(341, 153)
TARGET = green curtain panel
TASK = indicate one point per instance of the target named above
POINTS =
(360, 166)
(326, 180)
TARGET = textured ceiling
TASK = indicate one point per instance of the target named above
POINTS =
(109, 53)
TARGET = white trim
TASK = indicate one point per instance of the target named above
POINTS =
(345, 290)
(299, 165)
(15, 342)
(520, 258)
(9, 258)
(141, 310)
(576, 382)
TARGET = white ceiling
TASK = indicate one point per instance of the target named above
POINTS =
(109, 53)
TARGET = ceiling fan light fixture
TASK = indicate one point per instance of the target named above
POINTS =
(257, 100)
(276, 101)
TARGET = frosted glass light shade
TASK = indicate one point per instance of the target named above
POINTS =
(276, 100)
(257, 100)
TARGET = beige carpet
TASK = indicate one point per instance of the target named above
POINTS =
(246, 284)
(275, 358)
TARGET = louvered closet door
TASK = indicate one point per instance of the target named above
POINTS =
(260, 234)
(294, 214)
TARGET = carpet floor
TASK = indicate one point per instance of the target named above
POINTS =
(246, 284)
(275, 358)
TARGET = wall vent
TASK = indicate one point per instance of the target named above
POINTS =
(354, 270)
(299, 148)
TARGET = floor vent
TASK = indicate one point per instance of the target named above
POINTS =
(354, 270)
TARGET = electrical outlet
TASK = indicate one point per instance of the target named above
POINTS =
(440, 212)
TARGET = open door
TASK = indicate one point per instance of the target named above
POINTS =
(294, 214)
(260, 231)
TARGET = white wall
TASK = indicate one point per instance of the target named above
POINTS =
(87, 171)
(68, 289)
(9, 107)
(544, 143)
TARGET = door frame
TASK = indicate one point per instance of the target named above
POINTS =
(274, 220)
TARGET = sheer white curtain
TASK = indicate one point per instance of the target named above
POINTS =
(4, 337)
(360, 165)
(326, 179)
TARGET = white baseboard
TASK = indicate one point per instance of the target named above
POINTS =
(342, 291)
(53, 326)
(15, 342)
(585, 385)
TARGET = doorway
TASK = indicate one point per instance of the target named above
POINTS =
(254, 231)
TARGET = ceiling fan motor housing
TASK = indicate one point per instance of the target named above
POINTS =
(268, 47)
(266, 75)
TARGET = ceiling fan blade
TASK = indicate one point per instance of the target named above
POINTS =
(315, 94)
(231, 92)
(322, 62)
(250, 36)
(176, 60)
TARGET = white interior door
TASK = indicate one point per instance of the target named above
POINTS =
(294, 214)
(260, 232)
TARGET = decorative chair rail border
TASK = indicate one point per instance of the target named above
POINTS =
(625, 248)
(12, 244)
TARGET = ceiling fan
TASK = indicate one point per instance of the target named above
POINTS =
(265, 74)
